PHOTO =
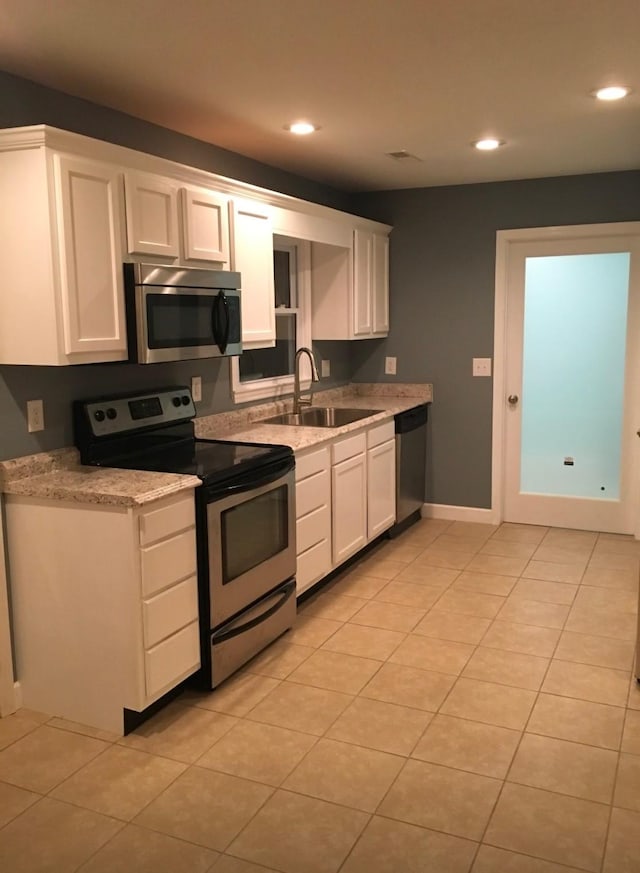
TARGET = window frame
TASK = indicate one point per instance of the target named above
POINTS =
(275, 387)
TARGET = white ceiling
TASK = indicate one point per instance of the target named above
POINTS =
(427, 76)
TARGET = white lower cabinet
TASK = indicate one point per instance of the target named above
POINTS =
(345, 497)
(348, 497)
(110, 619)
(381, 479)
(313, 517)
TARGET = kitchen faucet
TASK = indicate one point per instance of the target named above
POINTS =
(298, 401)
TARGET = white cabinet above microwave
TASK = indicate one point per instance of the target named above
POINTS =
(183, 223)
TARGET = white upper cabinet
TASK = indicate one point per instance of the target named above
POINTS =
(74, 209)
(152, 215)
(350, 287)
(370, 283)
(380, 284)
(252, 257)
(89, 210)
(362, 283)
(205, 225)
(62, 247)
(181, 223)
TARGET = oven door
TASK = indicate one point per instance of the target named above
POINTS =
(176, 324)
(251, 540)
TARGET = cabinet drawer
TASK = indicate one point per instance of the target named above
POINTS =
(311, 463)
(380, 434)
(312, 528)
(172, 660)
(348, 448)
(313, 564)
(155, 524)
(312, 493)
(168, 561)
(169, 611)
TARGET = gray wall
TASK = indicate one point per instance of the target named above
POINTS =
(24, 103)
(442, 275)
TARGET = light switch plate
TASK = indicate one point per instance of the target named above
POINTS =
(325, 369)
(390, 366)
(196, 388)
(482, 366)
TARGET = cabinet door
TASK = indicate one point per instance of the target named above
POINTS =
(362, 276)
(253, 259)
(380, 284)
(205, 222)
(381, 488)
(89, 219)
(152, 215)
(349, 505)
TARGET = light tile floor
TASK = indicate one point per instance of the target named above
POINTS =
(461, 699)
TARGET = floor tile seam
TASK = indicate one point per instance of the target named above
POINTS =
(381, 627)
(268, 797)
(394, 703)
(611, 806)
(284, 778)
(538, 733)
(569, 867)
(310, 684)
(26, 734)
(65, 778)
(606, 803)
(344, 861)
(17, 815)
(615, 669)
(363, 745)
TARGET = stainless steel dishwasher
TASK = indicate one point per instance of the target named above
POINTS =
(411, 461)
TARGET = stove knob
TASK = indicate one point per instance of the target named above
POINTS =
(99, 415)
(175, 401)
(112, 413)
(186, 400)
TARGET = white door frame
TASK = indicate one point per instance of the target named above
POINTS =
(504, 239)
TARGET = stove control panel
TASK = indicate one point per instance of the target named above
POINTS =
(118, 415)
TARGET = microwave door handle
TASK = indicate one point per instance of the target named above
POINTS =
(221, 305)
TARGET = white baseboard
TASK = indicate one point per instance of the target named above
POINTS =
(459, 513)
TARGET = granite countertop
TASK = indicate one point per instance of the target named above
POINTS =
(58, 475)
(246, 425)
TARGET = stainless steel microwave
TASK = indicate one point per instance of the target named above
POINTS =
(179, 313)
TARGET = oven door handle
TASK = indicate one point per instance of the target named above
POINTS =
(233, 629)
(251, 483)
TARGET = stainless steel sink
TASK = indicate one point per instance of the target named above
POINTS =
(321, 416)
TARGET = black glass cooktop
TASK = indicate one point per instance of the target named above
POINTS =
(213, 461)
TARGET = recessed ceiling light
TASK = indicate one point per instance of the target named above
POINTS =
(488, 145)
(612, 92)
(301, 128)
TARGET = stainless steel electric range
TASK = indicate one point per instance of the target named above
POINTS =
(245, 515)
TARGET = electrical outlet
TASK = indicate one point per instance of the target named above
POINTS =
(325, 369)
(482, 366)
(390, 366)
(35, 415)
(196, 388)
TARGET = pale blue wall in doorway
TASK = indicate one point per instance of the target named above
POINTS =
(573, 374)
